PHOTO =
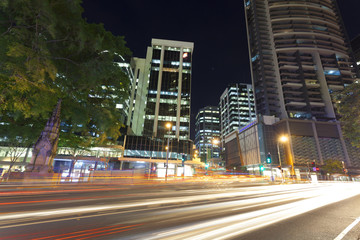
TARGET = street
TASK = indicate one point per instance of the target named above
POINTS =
(223, 209)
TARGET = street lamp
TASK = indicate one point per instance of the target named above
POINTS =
(168, 126)
(284, 139)
(196, 153)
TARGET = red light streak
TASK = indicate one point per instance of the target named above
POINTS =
(90, 231)
(65, 199)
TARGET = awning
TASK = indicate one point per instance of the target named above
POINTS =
(156, 160)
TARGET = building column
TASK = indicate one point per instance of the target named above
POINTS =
(157, 106)
(289, 151)
(178, 113)
(317, 142)
(324, 90)
(343, 144)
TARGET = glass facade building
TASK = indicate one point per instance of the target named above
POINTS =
(237, 108)
(169, 90)
(155, 148)
(207, 128)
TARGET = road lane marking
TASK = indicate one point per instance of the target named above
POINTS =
(351, 226)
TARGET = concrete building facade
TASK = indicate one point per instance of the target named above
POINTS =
(299, 56)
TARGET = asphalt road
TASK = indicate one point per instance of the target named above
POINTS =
(220, 209)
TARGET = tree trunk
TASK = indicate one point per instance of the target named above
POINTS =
(9, 170)
(26, 154)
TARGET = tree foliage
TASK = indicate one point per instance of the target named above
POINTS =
(49, 52)
(332, 166)
(348, 106)
(18, 135)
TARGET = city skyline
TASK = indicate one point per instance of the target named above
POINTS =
(96, 140)
(221, 54)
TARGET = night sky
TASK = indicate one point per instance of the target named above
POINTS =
(217, 29)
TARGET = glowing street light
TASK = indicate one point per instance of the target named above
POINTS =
(285, 139)
(196, 153)
(282, 139)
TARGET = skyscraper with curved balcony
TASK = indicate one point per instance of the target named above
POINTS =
(299, 55)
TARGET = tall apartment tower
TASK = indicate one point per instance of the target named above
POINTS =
(207, 128)
(237, 107)
(169, 89)
(299, 55)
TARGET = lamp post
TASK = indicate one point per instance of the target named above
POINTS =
(168, 126)
(282, 139)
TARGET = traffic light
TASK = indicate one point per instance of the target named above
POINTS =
(183, 159)
(262, 168)
(313, 165)
(206, 166)
(268, 159)
(344, 167)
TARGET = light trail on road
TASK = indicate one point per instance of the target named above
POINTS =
(149, 202)
(212, 213)
(228, 227)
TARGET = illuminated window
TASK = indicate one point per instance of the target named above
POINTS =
(332, 72)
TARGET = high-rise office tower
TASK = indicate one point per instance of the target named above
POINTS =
(207, 129)
(236, 107)
(133, 108)
(299, 55)
(169, 89)
(137, 103)
(124, 106)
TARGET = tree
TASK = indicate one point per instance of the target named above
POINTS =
(348, 106)
(50, 52)
(332, 166)
(18, 135)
